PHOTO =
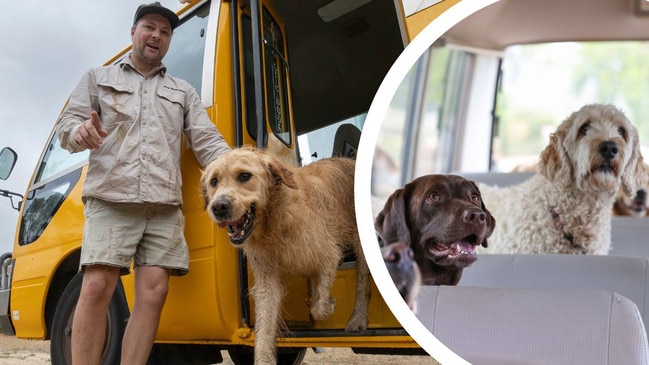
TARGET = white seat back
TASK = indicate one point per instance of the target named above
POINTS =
(626, 275)
(535, 326)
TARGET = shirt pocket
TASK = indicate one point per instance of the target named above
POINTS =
(117, 103)
(171, 109)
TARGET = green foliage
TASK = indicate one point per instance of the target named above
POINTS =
(544, 83)
(619, 73)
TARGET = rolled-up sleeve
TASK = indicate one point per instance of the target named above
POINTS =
(81, 102)
(204, 138)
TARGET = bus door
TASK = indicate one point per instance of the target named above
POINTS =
(264, 116)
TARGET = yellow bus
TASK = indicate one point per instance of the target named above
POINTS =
(280, 74)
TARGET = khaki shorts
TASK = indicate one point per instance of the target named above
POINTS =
(146, 234)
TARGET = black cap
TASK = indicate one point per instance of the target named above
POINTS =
(156, 8)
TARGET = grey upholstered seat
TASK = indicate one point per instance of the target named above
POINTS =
(630, 236)
(626, 275)
(535, 326)
(500, 179)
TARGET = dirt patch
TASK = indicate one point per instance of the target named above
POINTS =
(347, 357)
(14, 351)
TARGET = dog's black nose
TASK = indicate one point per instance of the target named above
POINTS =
(221, 208)
(641, 195)
(474, 216)
(608, 150)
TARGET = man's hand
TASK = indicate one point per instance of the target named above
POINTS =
(90, 133)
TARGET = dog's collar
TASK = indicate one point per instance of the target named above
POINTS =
(561, 225)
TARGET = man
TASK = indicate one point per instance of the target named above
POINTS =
(132, 117)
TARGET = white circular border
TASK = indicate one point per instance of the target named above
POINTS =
(363, 174)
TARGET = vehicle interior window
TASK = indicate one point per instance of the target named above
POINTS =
(186, 51)
(530, 107)
(276, 79)
(58, 160)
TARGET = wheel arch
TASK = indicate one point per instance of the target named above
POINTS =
(64, 273)
(60, 280)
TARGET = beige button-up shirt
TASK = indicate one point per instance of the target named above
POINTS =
(145, 117)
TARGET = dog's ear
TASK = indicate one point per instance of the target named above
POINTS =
(635, 172)
(554, 161)
(206, 198)
(390, 224)
(280, 174)
(491, 221)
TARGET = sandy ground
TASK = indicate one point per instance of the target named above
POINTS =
(14, 351)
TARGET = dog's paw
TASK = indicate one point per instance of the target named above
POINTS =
(357, 322)
(322, 309)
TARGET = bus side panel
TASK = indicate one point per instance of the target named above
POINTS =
(296, 308)
(344, 290)
(35, 268)
(203, 304)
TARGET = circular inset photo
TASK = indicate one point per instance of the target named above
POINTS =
(500, 183)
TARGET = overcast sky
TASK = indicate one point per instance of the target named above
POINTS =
(46, 47)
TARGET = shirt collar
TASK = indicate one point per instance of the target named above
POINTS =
(126, 61)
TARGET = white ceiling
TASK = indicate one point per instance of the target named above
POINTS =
(510, 22)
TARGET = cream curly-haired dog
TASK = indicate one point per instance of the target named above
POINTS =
(289, 221)
(566, 206)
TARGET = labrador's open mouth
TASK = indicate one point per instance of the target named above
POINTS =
(465, 246)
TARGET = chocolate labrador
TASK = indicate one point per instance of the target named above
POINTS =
(399, 259)
(442, 219)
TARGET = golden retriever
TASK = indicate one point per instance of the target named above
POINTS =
(289, 221)
(399, 258)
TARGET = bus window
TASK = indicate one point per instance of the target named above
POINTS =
(276, 79)
(531, 106)
(249, 76)
(42, 203)
(276, 69)
(186, 51)
(320, 143)
(57, 174)
(57, 161)
(420, 131)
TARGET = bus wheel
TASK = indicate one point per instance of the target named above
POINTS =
(61, 334)
(286, 356)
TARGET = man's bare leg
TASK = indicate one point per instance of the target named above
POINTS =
(89, 323)
(151, 286)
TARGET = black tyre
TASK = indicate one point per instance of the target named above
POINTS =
(245, 356)
(184, 354)
(60, 345)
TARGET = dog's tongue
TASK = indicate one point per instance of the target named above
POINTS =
(231, 226)
(234, 231)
